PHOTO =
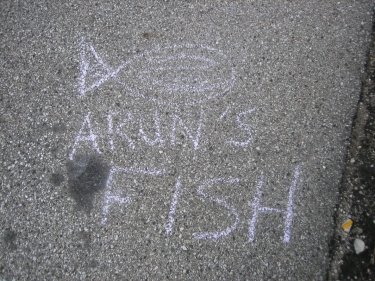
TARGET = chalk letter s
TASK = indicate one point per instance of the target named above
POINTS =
(246, 127)
(216, 235)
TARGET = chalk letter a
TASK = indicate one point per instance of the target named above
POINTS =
(91, 137)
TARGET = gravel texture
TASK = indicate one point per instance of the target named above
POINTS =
(357, 200)
(175, 140)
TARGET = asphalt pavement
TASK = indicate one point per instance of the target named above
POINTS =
(175, 140)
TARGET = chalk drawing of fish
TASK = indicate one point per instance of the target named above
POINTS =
(177, 75)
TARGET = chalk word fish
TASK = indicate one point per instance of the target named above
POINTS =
(176, 75)
(112, 198)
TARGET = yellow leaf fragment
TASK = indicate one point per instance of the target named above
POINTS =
(347, 225)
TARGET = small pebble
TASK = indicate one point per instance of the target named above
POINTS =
(359, 246)
(358, 230)
(352, 161)
(184, 248)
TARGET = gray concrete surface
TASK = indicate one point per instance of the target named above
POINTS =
(357, 195)
(172, 140)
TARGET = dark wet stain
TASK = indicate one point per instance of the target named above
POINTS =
(93, 263)
(56, 179)
(59, 128)
(87, 176)
(10, 239)
(86, 238)
(83, 240)
(148, 35)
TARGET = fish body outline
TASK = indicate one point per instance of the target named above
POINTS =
(179, 90)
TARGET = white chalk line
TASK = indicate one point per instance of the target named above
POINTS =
(224, 113)
(255, 210)
(84, 65)
(244, 126)
(158, 139)
(179, 87)
(119, 130)
(91, 137)
(173, 208)
(195, 139)
(227, 231)
(222, 87)
(288, 211)
(122, 134)
(111, 199)
(110, 131)
(161, 59)
(289, 216)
